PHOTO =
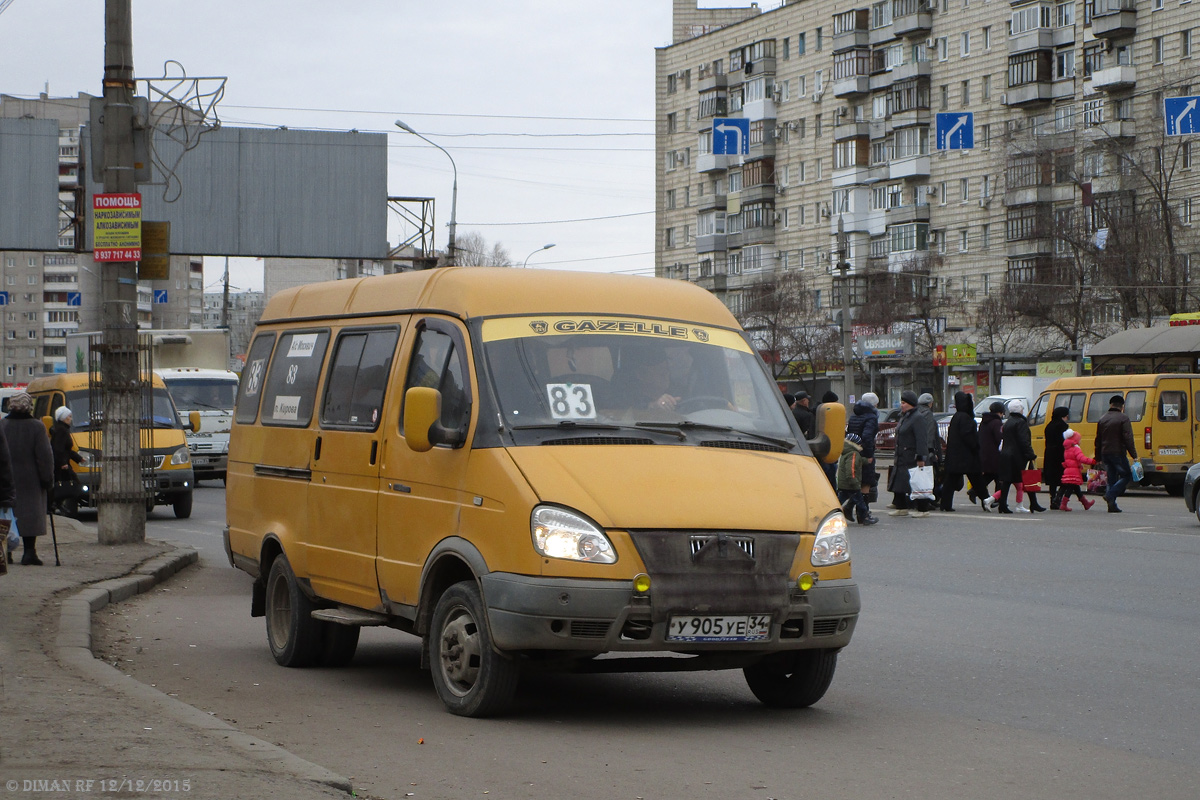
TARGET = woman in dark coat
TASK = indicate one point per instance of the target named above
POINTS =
(33, 472)
(66, 484)
(962, 450)
(7, 491)
(912, 449)
(1016, 450)
(990, 432)
(1052, 462)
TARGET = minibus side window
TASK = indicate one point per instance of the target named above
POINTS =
(291, 389)
(1038, 415)
(1135, 406)
(1172, 406)
(41, 406)
(252, 378)
(1098, 405)
(1074, 402)
(358, 374)
(437, 363)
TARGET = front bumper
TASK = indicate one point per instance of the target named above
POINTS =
(206, 464)
(164, 485)
(564, 614)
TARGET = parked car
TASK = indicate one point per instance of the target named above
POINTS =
(886, 438)
(983, 405)
(1191, 488)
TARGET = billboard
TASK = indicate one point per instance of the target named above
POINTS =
(28, 184)
(270, 193)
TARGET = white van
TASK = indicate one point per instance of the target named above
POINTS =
(212, 393)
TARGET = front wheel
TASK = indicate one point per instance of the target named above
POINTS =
(795, 679)
(183, 506)
(472, 679)
(294, 636)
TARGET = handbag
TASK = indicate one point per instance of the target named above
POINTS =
(920, 483)
(1032, 480)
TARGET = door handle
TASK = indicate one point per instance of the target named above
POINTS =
(374, 452)
(400, 487)
(317, 450)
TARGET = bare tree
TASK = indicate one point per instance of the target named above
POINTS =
(472, 250)
(783, 318)
(915, 298)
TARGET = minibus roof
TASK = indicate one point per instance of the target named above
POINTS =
(1114, 382)
(469, 292)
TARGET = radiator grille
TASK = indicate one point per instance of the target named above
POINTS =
(585, 629)
(825, 627)
(743, 543)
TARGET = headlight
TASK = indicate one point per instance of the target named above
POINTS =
(831, 546)
(181, 457)
(559, 533)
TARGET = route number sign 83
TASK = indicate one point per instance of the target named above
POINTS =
(571, 401)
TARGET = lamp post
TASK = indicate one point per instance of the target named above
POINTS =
(847, 349)
(451, 252)
(535, 252)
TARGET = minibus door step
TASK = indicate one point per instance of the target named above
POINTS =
(344, 615)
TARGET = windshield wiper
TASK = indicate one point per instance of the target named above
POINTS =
(572, 425)
(687, 424)
(206, 405)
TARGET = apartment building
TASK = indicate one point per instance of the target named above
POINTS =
(245, 309)
(50, 294)
(842, 102)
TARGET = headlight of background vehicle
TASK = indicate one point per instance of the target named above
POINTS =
(559, 533)
(831, 546)
(180, 457)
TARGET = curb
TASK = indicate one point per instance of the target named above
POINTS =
(75, 648)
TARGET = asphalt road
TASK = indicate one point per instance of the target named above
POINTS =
(1047, 656)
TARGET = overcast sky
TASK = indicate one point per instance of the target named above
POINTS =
(486, 80)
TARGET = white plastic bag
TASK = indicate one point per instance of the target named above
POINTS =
(920, 483)
(14, 538)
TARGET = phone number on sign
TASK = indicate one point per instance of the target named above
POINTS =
(135, 785)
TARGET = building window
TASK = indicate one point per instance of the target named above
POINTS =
(1064, 63)
(787, 48)
(965, 45)
(1030, 18)
(1064, 14)
(1185, 43)
(943, 48)
(1157, 49)
(669, 238)
(964, 240)
(966, 94)
(908, 238)
(987, 37)
(1031, 67)
(985, 236)
(1064, 118)
(964, 189)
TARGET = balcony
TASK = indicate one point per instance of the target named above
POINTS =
(1044, 194)
(1113, 129)
(1029, 94)
(713, 81)
(1035, 39)
(910, 167)
(756, 110)
(851, 86)
(910, 213)
(852, 176)
(1114, 18)
(761, 235)
(755, 194)
(708, 162)
(1029, 247)
(1113, 79)
(851, 129)
(763, 66)
(711, 243)
(911, 19)
(846, 40)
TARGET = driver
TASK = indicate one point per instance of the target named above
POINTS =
(647, 377)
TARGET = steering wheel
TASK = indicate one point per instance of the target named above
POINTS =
(700, 403)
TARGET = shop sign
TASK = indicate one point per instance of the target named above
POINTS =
(1056, 369)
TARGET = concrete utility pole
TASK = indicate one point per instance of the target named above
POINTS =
(122, 517)
(225, 297)
(847, 349)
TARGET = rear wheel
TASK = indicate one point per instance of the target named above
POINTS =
(472, 679)
(294, 636)
(183, 506)
(338, 643)
(795, 679)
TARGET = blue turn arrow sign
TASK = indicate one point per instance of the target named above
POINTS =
(956, 131)
(74, 298)
(1181, 115)
(731, 136)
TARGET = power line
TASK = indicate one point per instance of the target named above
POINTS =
(555, 221)
(438, 114)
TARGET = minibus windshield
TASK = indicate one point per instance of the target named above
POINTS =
(583, 377)
(162, 411)
(203, 394)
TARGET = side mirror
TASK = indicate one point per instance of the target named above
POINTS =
(193, 421)
(831, 432)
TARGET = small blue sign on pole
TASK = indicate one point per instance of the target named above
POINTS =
(956, 131)
(4, 298)
(75, 298)
(731, 136)
(160, 296)
(1181, 115)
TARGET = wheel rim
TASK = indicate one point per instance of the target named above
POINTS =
(279, 614)
(459, 651)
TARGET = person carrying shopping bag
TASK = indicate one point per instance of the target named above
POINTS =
(912, 450)
(1016, 450)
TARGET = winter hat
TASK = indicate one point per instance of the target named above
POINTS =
(909, 397)
(829, 397)
(996, 407)
(790, 399)
(1016, 407)
(21, 402)
(925, 399)
(62, 413)
(853, 438)
(801, 395)
(871, 399)
(1067, 434)
(1061, 411)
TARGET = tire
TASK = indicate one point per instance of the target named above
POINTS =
(472, 679)
(292, 633)
(338, 643)
(792, 680)
(183, 506)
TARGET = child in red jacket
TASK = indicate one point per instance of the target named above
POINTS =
(1074, 461)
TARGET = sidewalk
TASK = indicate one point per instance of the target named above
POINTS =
(68, 718)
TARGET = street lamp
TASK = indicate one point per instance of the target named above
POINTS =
(531, 255)
(454, 195)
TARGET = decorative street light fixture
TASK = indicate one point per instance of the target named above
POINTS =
(452, 254)
(531, 255)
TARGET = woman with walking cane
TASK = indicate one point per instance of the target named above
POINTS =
(33, 472)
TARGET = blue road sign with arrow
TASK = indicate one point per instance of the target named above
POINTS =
(75, 298)
(160, 296)
(956, 131)
(1181, 115)
(3, 298)
(731, 136)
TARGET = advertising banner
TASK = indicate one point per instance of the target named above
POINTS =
(117, 227)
